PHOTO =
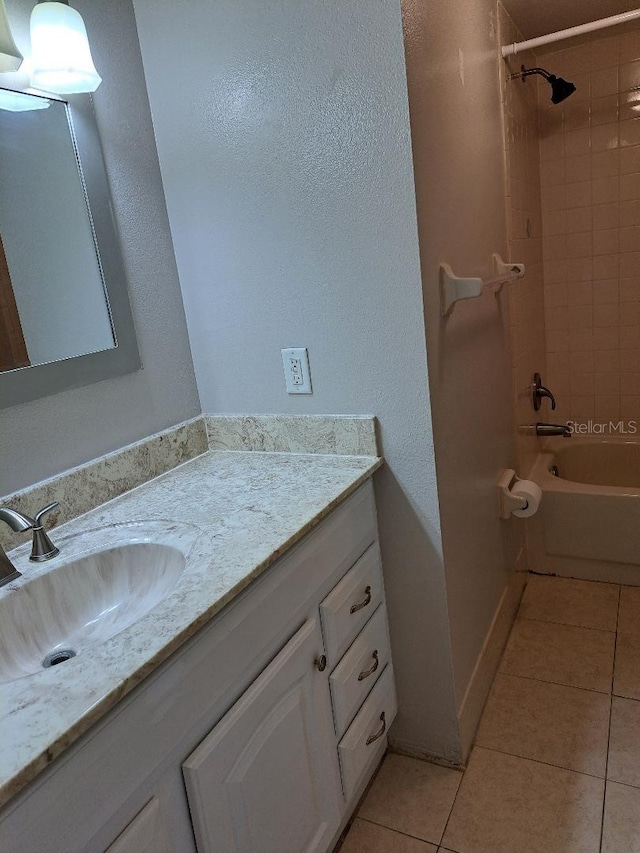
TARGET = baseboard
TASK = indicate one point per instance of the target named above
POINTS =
(488, 661)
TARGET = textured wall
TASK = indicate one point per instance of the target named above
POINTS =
(47, 436)
(454, 97)
(284, 144)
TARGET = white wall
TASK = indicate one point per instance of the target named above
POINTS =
(454, 95)
(47, 436)
(284, 144)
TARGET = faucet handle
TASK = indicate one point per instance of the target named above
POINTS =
(42, 547)
(538, 391)
(43, 511)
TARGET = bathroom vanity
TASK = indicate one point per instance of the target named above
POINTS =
(248, 710)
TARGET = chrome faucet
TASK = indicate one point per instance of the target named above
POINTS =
(42, 548)
(554, 429)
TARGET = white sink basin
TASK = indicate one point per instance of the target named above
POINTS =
(82, 603)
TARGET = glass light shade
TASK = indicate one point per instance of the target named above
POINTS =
(60, 51)
(10, 56)
(20, 102)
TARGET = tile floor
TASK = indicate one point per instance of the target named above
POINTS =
(556, 763)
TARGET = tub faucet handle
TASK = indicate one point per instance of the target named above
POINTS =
(538, 391)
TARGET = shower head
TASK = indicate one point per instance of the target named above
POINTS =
(560, 88)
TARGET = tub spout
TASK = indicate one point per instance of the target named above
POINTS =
(553, 429)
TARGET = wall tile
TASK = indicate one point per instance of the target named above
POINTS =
(629, 105)
(605, 267)
(604, 82)
(579, 293)
(577, 142)
(629, 289)
(629, 187)
(604, 52)
(605, 137)
(629, 240)
(606, 242)
(630, 263)
(629, 76)
(604, 190)
(605, 314)
(630, 160)
(590, 160)
(605, 216)
(630, 212)
(582, 316)
(629, 132)
(606, 290)
(604, 110)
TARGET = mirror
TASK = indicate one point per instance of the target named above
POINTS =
(65, 318)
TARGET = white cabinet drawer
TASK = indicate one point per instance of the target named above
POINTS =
(360, 745)
(350, 604)
(354, 677)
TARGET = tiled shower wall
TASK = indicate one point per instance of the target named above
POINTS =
(524, 226)
(590, 174)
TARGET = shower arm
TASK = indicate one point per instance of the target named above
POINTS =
(527, 72)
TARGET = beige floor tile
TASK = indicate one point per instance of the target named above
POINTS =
(412, 796)
(624, 744)
(513, 805)
(626, 681)
(562, 654)
(559, 725)
(365, 837)
(621, 830)
(571, 602)
(629, 618)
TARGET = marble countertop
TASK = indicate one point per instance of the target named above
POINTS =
(240, 511)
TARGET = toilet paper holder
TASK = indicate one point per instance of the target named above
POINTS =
(508, 501)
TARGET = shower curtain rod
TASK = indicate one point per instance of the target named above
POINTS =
(518, 47)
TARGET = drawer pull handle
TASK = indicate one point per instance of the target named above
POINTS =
(321, 663)
(363, 603)
(380, 732)
(368, 672)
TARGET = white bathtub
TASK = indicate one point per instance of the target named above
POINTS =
(589, 522)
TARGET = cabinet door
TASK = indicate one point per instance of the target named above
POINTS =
(266, 777)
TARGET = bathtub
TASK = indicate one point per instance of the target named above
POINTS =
(588, 525)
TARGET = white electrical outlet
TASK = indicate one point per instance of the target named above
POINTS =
(297, 375)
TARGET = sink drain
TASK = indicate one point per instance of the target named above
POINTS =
(60, 656)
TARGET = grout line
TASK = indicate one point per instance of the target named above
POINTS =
(624, 784)
(613, 673)
(555, 683)
(567, 624)
(558, 683)
(545, 763)
(399, 831)
(444, 829)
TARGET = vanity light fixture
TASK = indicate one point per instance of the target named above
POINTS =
(60, 50)
(21, 102)
(10, 56)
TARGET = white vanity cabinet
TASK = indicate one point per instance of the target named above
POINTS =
(267, 778)
(258, 735)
